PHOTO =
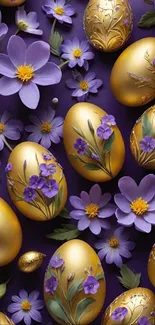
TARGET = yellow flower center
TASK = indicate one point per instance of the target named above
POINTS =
(46, 127)
(22, 25)
(25, 72)
(2, 127)
(92, 210)
(113, 242)
(84, 85)
(139, 206)
(77, 53)
(59, 11)
(26, 306)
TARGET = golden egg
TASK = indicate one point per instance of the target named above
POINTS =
(30, 261)
(93, 158)
(132, 76)
(108, 24)
(141, 145)
(65, 286)
(4, 320)
(151, 266)
(139, 302)
(43, 196)
(10, 234)
(11, 3)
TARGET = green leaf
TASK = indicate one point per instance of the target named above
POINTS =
(3, 288)
(49, 273)
(147, 20)
(108, 143)
(67, 232)
(78, 131)
(55, 41)
(146, 126)
(65, 214)
(58, 199)
(91, 167)
(82, 305)
(100, 276)
(129, 279)
(57, 310)
(90, 125)
(73, 289)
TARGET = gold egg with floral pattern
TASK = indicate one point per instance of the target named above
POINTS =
(11, 3)
(36, 182)
(4, 320)
(142, 139)
(93, 142)
(74, 285)
(108, 23)
(130, 307)
(151, 266)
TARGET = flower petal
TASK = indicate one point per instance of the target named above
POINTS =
(35, 137)
(124, 252)
(122, 202)
(45, 141)
(77, 214)
(126, 219)
(35, 314)
(20, 15)
(147, 187)
(107, 211)
(54, 137)
(103, 252)
(32, 19)
(16, 299)
(27, 319)
(110, 256)
(76, 202)
(105, 224)
(3, 30)
(16, 50)
(23, 294)
(1, 143)
(85, 198)
(95, 226)
(117, 259)
(33, 296)
(118, 232)
(142, 225)
(150, 217)
(50, 74)
(128, 188)
(43, 53)
(29, 95)
(9, 86)
(33, 31)
(72, 84)
(95, 194)
(105, 198)
(17, 317)
(83, 223)
(152, 205)
(14, 307)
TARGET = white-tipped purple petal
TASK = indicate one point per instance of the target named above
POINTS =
(85, 198)
(58, 121)
(77, 203)
(9, 86)
(110, 256)
(122, 203)
(33, 31)
(128, 188)
(20, 15)
(77, 214)
(103, 252)
(18, 316)
(29, 95)
(54, 137)
(147, 187)
(83, 223)
(50, 74)
(1, 142)
(126, 219)
(105, 198)
(107, 211)
(3, 30)
(32, 19)
(124, 252)
(95, 226)
(16, 50)
(142, 225)
(150, 217)
(42, 49)
(88, 55)
(95, 194)
(6, 67)
(117, 259)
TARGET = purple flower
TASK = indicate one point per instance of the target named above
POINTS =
(90, 285)
(59, 10)
(81, 146)
(27, 23)
(108, 120)
(8, 167)
(50, 188)
(23, 70)
(147, 144)
(47, 170)
(36, 182)
(136, 204)
(114, 245)
(104, 132)
(77, 53)
(126, 21)
(84, 85)
(143, 321)
(45, 128)
(56, 262)
(91, 209)
(51, 285)
(9, 128)
(3, 28)
(95, 157)
(29, 194)
(26, 307)
(119, 314)
(48, 156)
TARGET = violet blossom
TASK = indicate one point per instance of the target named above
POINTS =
(27, 22)
(147, 144)
(81, 146)
(59, 10)
(47, 170)
(90, 285)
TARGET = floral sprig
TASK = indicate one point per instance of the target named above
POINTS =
(9, 128)
(27, 22)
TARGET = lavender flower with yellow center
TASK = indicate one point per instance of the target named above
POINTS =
(59, 10)
(27, 22)
(9, 128)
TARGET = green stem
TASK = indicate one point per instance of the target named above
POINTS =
(63, 64)
(53, 26)
(17, 31)
(6, 143)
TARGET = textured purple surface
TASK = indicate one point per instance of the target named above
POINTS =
(33, 232)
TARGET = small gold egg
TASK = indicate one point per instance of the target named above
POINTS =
(132, 76)
(30, 261)
(10, 234)
(11, 3)
(151, 266)
(4, 320)
(99, 160)
(69, 269)
(139, 302)
(108, 24)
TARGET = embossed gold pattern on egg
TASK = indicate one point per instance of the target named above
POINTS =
(11, 3)
(151, 266)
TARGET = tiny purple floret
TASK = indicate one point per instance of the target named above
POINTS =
(29, 194)
(47, 170)
(104, 132)
(8, 167)
(51, 285)
(50, 188)
(90, 285)
(56, 262)
(119, 314)
(147, 144)
(36, 182)
(81, 146)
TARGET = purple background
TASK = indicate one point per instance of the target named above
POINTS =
(34, 232)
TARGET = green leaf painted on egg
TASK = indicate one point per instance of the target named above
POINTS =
(91, 166)
(90, 125)
(57, 310)
(100, 276)
(147, 20)
(82, 305)
(146, 126)
(129, 279)
(108, 143)
(73, 289)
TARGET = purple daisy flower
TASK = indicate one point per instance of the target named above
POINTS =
(51, 285)
(8, 167)
(46, 128)
(147, 144)
(29, 194)
(59, 10)
(90, 285)
(9, 128)
(50, 188)
(81, 146)
(143, 321)
(84, 85)
(23, 70)
(3, 28)
(26, 307)
(47, 170)
(136, 204)
(56, 261)
(27, 22)
(36, 182)
(104, 132)
(114, 245)
(108, 120)
(119, 314)
(48, 156)
(92, 209)
(77, 53)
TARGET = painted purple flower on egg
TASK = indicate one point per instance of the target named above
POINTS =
(36, 182)
(50, 188)
(119, 314)
(59, 10)
(8, 167)
(147, 144)
(56, 261)
(23, 70)
(47, 170)
(81, 146)
(29, 194)
(143, 321)
(48, 156)
(108, 120)
(90, 285)
(104, 132)
(51, 285)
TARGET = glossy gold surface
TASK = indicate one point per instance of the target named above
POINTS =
(11, 3)
(28, 151)
(10, 234)
(108, 24)
(30, 261)
(139, 302)
(4, 320)
(132, 76)
(151, 266)
(78, 117)
(79, 257)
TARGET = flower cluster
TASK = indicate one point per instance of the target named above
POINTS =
(104, 131)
